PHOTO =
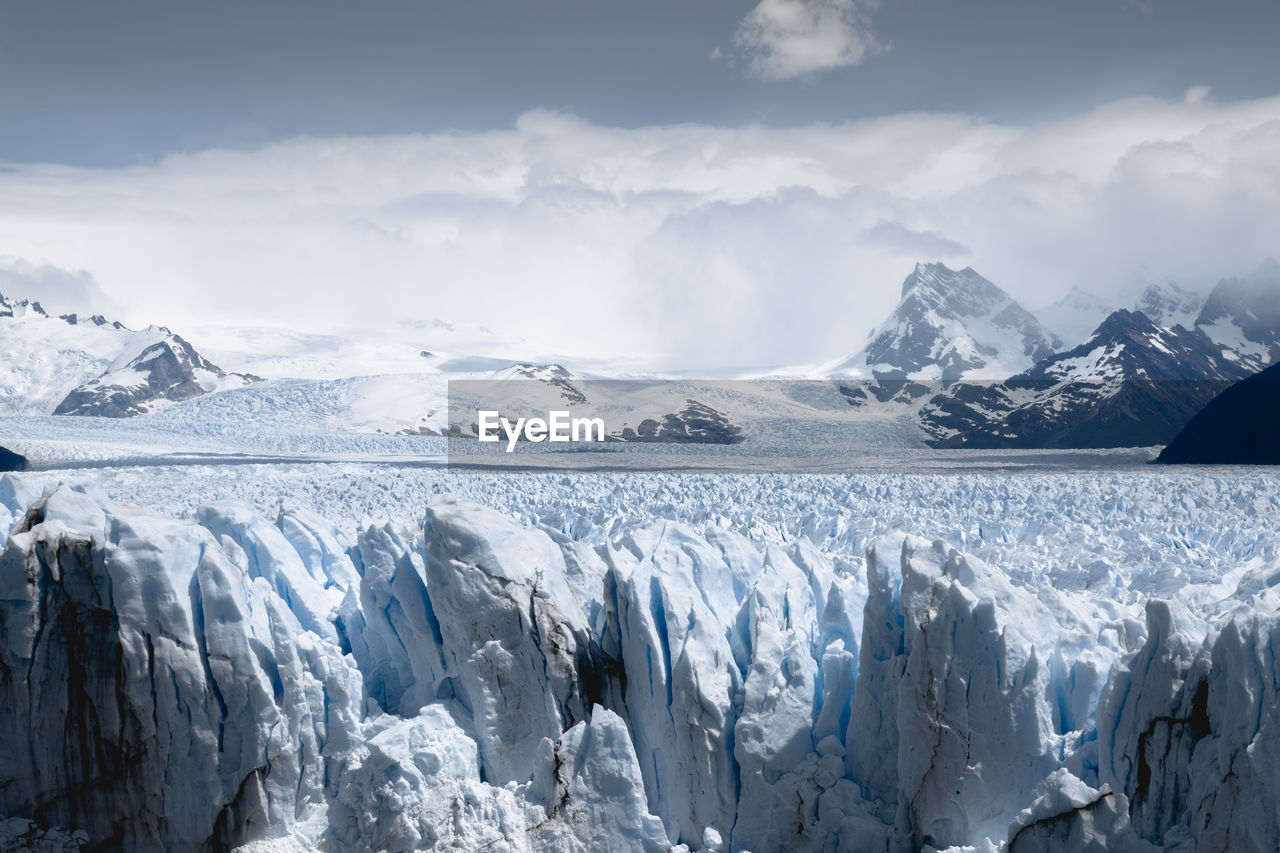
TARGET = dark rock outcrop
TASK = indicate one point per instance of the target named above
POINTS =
(167, 370)
(1241, 426)
(10, 461)
(697, 423)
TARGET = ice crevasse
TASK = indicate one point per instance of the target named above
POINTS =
(472, 682)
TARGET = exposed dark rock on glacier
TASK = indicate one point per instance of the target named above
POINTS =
(1189, 732)
(696, 423)
(1241, 426)
(10, 461)
(169, 370)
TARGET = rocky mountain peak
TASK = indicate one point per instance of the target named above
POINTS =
(951, 324)
(20, 307)
(160, 369)
(963, 288)
(1122, 324)
(1243, 313)
(1169, 303)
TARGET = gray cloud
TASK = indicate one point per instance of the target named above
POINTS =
(898, 238)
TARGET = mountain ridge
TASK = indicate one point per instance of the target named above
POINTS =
(950, 325)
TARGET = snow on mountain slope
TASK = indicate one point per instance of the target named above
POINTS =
(73, 365)
(427, 347)
(633, 682)
(43, 358)
(149, 374)
(951, 324)
(1129, 345)
(1074, 317)
(1243, 314)
(1170, 304)
(1132, 383)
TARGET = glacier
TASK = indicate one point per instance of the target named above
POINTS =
(531, 662)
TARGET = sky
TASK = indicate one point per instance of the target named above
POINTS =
(722, 182)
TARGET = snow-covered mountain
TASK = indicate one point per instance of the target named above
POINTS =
(1132, 383)
(1129, 345)
(42, 358)
(147, 375)
(1170, 304)
(1243, 314)
(76, 366)
(951, 325)
(696, 423)
(1074, 317)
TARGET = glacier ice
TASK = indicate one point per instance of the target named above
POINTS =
(596, 678)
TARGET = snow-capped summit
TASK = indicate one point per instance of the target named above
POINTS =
(20, 307)
(1244, 314)
(96, 319)
(555, 375)
(1170, 304)
(1074, 317)
(68, 365)
(148, 375)
(951, 325)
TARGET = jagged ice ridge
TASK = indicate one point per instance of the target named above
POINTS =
(476, 682)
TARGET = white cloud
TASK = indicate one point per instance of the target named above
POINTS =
(1197, 93)
(715, 245)
(786, 39)
(59, 291)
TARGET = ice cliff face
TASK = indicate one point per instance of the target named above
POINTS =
(476, 683)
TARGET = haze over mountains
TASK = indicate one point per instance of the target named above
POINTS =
(955, 324)
(958, 354)
(988, 373)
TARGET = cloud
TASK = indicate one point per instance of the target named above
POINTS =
(899, 239)
(1197, 93)
(786, 39)
(59, 291)
(711, 245)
